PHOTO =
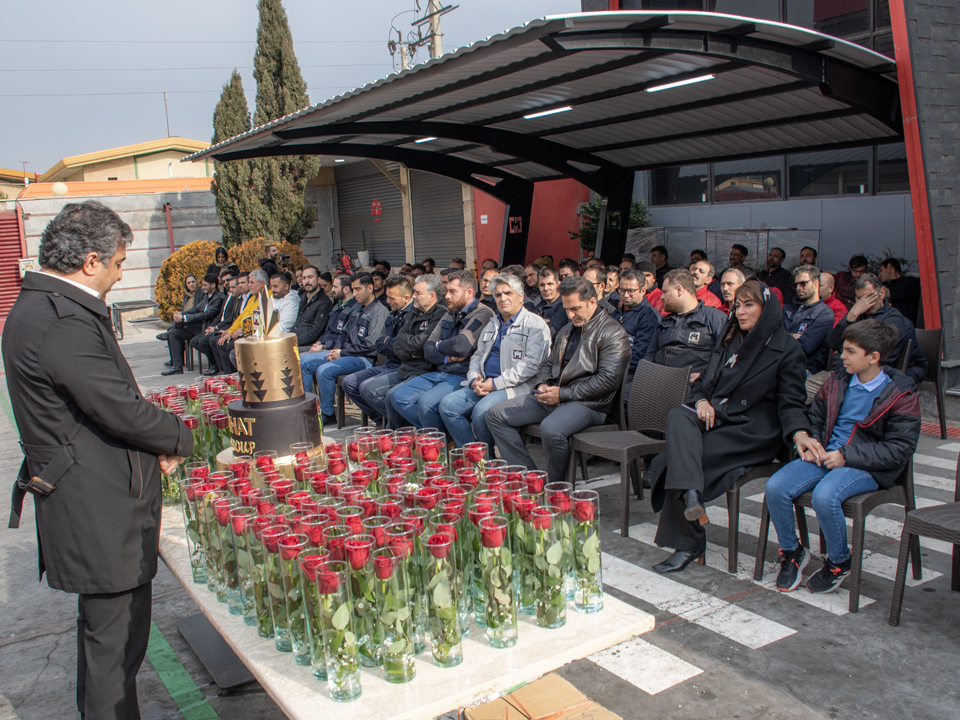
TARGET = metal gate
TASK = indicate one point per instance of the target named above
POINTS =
(437, 204)
(361, 189)
(10, 254)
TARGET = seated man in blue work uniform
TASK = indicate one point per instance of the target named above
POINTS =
(333, 335)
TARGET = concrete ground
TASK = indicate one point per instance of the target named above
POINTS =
(723, 647)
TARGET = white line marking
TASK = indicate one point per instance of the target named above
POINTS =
(837, 603)
(878, 525)
(935, 462)
(949, 447)
(645, 666)
(932, 481)
(599, 482)
(740, 626)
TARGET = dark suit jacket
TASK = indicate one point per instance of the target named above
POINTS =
(204, 311)
(228, 313)
(312, 318)
(87, 430)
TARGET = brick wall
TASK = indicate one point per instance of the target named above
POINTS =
(121, 169)
(934, 30)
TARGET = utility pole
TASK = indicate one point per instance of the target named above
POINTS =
(26, 180)
(166, 110)
(404, 63)
(436, 39)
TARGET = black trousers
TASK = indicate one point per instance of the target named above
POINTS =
(112, 635)
(204, 343)
(222, 355)
(177, 338)
(684, 436)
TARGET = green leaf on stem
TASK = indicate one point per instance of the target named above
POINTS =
(554, 553)
(341, 617)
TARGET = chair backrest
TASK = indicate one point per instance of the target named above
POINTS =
(656, 390)
(903, 361)
(619, 416)
(906, 479)
(931, 345)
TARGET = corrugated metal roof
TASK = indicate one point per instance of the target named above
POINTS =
(775, 88)
(119, 187)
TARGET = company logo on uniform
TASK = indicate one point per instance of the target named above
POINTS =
(694, 338)
(361, 331)
(630, 338)
(340, 325)
(518, 354)
(424, 325)
(802, 329)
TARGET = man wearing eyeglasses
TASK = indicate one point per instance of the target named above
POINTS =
(809, 320)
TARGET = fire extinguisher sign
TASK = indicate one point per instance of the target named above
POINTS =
(376, 210)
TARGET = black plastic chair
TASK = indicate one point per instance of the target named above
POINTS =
(931, 345)
(858, 508)
(940, 522)
(656, 390)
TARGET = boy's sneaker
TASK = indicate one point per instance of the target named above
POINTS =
(791, 568)
(828, 578)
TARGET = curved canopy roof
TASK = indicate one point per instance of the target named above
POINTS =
(483, 115)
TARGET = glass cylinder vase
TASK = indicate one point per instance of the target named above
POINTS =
(496, 563)
(446, 632)
(588, 591)
(290, 546)
(340, 646)
(395, 597)
(240, 518)
(551, 599)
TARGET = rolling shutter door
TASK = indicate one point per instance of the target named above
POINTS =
(358, 185)
(9, 267)
(437, 217)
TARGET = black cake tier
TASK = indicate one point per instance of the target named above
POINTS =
(275, 427)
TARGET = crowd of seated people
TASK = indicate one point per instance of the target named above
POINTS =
(482, 354)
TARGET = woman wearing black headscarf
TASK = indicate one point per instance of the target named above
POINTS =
(222, 263)
(748, 402)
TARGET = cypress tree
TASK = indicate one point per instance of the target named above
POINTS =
(278, 207)
(231, 184)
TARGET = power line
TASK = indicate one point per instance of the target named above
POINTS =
(160, 92)
(174, 69)
(190, 42)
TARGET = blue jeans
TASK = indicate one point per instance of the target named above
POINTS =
(374, 391)
(456, 407)
(830, 488)
(327, 376)
(418, 399)
(351, 387)
(309, 363)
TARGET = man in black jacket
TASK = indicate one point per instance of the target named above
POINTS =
(636, 315)
(575, 387)
(871, 304)
(315, 308)
(94, 451)
(903, 291)
(776, 276)
(336, 325)
(228, 313)
(269, 263)
(193, 322)
(551, 307)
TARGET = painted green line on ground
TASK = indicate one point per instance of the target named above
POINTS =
(190, 701)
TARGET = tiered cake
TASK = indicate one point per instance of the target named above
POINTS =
(274, 412)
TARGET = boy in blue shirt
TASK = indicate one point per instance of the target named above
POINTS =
(864, 427)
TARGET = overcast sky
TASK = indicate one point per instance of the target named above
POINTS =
(82, 77)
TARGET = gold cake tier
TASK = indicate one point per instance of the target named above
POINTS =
(269, 369)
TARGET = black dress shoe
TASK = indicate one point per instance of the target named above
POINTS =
(329, 420)
(168, 363)
(680, 559)
(162, 336)
(693, 507)
(173, 371)
(211, 372)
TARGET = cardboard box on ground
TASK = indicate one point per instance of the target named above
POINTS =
(549, 698)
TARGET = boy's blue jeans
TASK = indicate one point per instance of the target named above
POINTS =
(830, 488)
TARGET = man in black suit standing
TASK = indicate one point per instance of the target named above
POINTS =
(94, 451)
(228, 313)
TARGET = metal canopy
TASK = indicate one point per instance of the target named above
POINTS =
(775, 88)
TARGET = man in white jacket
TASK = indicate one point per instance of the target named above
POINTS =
(509, 353)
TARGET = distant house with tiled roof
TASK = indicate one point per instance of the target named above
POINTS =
(153, 160)
(13, 181)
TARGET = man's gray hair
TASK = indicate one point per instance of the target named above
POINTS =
(433, 282)
(868, 279)
(81, 229)
(740, 276)
(812, 270)
(260, 276)
(506, 279)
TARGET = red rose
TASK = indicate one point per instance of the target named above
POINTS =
(427, 498)
(561, 501)
(541, 518)
(221, 509)
(514, 477)
(373, 467)
(407, 466)
(309, 565)
(390, 509)
(191, 422)
(402, 545)
(358, 552)
(369, 506)
(524, 507)
(534, 483)
(221, 421)
(379, 533)
(435, 469)
(456, 506)
(361, 478)
(265, 507)
(334, 448)
(288, 547)
(283, 487)
(240, 486)
(201, 473)
(415, 520)
(383, 566)
(353, 449)
(351, 495)
(240, 523)
(439, 545)
(446, 528)
(354, 522)
(507, 499)
(265, 463)
(191, 490)
(336, 465)
(493, 537)
(430, 452)
(327, 581)
(584, 510)
(240, 469)
(301, 458)
(259, 524)
(406, 441)
(297, 499)
(336, 548)
(468, 477)
(271, 539)
(473, 453)
(386, 444)
(318, 481)
(314, 533)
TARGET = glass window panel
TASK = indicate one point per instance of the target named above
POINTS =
(680, 185)
(841, 18)
(892, 173)
(884, 44)
(800, 13)
(668, 4)
(750, 180)
(882, 15)
(760, 9)
(832, 172)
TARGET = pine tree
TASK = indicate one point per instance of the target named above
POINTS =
(231, 184)
(277, 206)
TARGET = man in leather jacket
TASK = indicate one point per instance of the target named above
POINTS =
(575, 386)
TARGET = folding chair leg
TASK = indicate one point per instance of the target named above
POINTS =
(638, 469)
(896, 604)
(942, 410)
(625, 499)
(856, 564)
(571, 471)
(583, 466)
(733, 529)
(762, 541)
(915, 556)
